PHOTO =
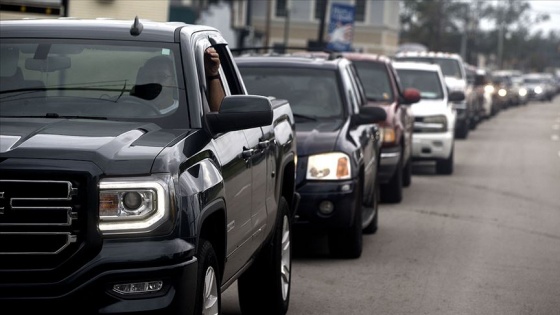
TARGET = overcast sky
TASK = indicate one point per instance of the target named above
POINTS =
(552, 7)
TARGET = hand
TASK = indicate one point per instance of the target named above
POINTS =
(211, 61)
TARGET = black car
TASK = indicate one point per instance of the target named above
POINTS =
(338, 142)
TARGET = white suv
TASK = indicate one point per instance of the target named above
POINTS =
(455, 77)
(434, 115)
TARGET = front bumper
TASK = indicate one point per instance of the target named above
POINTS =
(342, 194)
(432, 146)
(389, 161)
(89, 289)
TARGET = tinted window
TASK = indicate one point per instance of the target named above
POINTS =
(427, 82)
(310, 92)
(449, 67)
(375, 80)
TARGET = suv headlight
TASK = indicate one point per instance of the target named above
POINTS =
(132, 205)
(328, 166)
(436, 123)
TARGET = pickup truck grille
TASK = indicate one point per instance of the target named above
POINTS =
(39, 222)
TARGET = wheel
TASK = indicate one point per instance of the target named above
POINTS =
(463, 131)
(265, 287)
(347, 242)
(407, 173)
(445, 166)
(372, 227)
(208, 298)
(391, 192)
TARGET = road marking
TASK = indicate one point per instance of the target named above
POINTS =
(554, 137)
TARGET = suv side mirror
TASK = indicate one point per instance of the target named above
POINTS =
(411, 96)
(369, 115)
(456, 96)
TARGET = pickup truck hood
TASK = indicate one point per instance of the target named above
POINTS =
(317, 137)
(429, 108)
(115, 147)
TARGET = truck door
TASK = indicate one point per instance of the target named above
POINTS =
(235, 155)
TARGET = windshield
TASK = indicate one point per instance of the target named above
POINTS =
(311, 92)
(375, 80)
(449, 67)
(427, 82)
(93, 79)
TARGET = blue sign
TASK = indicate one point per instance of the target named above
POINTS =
(341, 27)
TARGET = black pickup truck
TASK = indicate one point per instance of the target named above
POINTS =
(109, 205)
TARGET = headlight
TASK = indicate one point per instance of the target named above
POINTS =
(389, 135)
(431, 124)
(502, 92)
(328, 166)
(538, 90)
(132, 205)
(522, 92)
(489, 89)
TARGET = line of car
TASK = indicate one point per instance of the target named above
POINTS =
(348, 164)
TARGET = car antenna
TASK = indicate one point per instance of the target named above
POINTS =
(137, 27)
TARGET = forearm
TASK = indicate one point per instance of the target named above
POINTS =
(215, 94)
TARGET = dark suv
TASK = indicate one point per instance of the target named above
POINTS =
(383, 89)
(337, 142)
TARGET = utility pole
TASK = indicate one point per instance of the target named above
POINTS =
(320, 41)
(268, 12)
(287, 27)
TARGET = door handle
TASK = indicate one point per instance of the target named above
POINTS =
(264, 144)
(247, 153)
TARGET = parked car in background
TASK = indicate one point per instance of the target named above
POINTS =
(539, 86)
(509, 87)
(434, 116)
(474, 96)
(483, 82)
(383, 89)
(338, 142)
(453, 70)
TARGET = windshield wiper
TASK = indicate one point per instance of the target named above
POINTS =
(312, 118)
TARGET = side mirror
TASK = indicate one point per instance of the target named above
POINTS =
(456, 96)
(369, 115)
(240, 112)
(411, 96)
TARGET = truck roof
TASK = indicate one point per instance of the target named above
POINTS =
(95, 29)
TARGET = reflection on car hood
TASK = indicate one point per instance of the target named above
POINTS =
(317, 137)
(115, 147)
(429, 107)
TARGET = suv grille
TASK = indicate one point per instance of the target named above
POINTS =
(39, 222)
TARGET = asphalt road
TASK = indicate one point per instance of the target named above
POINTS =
(485, 240)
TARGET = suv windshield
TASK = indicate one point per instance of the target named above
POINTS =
(375, 80)
(449, 67)
(427, 82)
(311, 92)
(93, 79)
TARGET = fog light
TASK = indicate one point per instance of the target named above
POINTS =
(326, 207)
(138, 287)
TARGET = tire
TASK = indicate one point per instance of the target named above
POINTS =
(265, 287)
(463, 131)
(208, 296)
(392, 191)
(407, 173)
(372, 227)
(445, 166)
(348, 242)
